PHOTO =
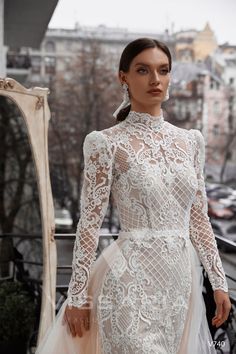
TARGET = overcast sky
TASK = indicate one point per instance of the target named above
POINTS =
(150, 15)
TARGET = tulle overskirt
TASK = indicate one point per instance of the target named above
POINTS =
(196, 336)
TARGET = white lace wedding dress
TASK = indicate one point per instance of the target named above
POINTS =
(146, 287)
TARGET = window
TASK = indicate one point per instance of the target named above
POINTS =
(216, 107)
(212, 84)
(50, 46)
(50, 65)
(36, 64)
(199, 105)
(216, 129)
(216, 156)
(67, 63)
(182, 110)
(68, 45)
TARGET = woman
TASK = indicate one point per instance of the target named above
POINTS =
(144, 293)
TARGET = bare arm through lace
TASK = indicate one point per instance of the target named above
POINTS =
(201, 232)
(94, 200)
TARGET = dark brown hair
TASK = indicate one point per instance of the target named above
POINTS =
(130, 52)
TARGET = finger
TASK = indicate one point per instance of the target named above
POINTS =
(71, 328)
(219, 311)
(217, 322)
(78, 328)
(86, 323)
(225, 314)
(82, 324)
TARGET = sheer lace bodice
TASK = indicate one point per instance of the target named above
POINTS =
(154, 172)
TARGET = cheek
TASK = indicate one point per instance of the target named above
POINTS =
(137, 87)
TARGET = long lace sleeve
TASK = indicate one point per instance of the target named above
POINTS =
(97, 180)
(201, 232)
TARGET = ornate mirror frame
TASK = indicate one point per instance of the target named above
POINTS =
(36, 114)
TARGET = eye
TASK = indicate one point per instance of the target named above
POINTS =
(164, 71)
(142, 70)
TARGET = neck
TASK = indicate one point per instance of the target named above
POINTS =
(154, 110)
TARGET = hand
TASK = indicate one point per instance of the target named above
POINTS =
(77, 319)
(223, 306)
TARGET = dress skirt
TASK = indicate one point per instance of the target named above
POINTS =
(146, 298)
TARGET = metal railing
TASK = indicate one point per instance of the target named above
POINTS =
(18, 61)
(221, 241)
(228, 332)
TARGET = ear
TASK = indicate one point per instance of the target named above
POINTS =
(122, 77)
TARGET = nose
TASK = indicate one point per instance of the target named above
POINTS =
(154, 80)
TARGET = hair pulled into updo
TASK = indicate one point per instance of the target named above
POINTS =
(130, 52)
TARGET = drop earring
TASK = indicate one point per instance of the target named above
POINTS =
(167, 96)
(126, 100)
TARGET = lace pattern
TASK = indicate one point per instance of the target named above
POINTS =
(201, 232)
(93, 205)
(154, 172)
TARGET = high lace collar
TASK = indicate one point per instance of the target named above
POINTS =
(154, 122)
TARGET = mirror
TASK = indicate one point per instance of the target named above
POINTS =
(32, 106)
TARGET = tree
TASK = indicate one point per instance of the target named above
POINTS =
(82, 99)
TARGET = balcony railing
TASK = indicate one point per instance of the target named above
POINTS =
(228, 328)
(18, 61)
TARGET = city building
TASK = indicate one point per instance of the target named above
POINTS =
(192, 45)
(19, 29)
(60, 46)
(200, 99)
(203, 77)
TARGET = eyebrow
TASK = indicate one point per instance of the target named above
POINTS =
(145, 64)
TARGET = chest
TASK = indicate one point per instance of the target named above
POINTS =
(165, 164)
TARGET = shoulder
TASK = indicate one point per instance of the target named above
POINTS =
(109, 136)
(199, 151)
(194, 135)
(198, 137)
(96, 141)
(181, 132)
(95, 137)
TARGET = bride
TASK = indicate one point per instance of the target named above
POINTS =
(143, 294)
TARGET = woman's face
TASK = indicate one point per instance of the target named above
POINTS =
(148, 78)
